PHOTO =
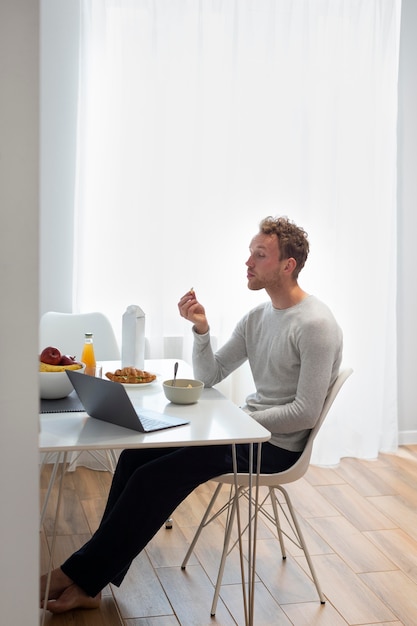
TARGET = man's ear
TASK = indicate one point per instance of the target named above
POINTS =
(290, 265)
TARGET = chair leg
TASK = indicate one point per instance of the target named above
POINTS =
(50, 485)
(202, 524)
(277, 522)
(225, 552)
(111, 460)
(97, 455)
(302, 543)
(231, 508)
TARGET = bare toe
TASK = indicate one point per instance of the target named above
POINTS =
(59, 582)
(73, 597)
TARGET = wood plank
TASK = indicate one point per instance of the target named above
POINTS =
(397, 591)
(93, 511)
(308, 501)
(399, 547)
(358, 510)
(208, 553)
(71, 516)
(317, 475)
(267, 611)
(89, 486)
(66, 545)
(402, 515)
(168, 547)
(165, 620)
(348, 593)
(316, 543)
(363, 477)
(285, 579)
(141, 593)
(351, 545)
(190, 594)
(400, 484)
(313, 614)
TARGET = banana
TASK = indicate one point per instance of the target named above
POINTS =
(45, 367)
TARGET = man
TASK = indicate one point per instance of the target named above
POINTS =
(292, 343)
(294, 347)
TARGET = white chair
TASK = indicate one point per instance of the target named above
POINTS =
(66, 331)
(272, 482)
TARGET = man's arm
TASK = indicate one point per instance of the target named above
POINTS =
(213, 368)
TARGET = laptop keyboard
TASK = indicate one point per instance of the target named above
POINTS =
(149, 423)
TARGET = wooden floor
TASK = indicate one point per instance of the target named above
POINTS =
(360, 522)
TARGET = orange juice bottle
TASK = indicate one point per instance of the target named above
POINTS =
(88, 356)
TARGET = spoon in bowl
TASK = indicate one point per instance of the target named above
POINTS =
(175, 374)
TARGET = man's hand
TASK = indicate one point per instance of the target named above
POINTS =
(194, 312)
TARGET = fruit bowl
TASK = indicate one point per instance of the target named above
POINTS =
(183, 390)
(55, 385)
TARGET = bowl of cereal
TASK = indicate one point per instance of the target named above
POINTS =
(183, 390)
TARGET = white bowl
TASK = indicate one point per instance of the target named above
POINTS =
(184, 391)
(55, 385)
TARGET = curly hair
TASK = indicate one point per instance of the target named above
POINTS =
(293, 240)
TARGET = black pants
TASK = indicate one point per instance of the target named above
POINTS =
(147, 486)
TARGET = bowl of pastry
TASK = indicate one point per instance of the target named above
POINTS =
(183, 390)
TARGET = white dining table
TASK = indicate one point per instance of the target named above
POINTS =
(213, 420)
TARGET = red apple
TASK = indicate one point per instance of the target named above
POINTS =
(66, 359)
(50, 355)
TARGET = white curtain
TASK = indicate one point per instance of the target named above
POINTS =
(199, 118)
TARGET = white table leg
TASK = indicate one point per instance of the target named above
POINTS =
(54, 533)
(249, 596)
(252, 541)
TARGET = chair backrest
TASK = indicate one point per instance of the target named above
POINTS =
(66, 332)
(300, 467)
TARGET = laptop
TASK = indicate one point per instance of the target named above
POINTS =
(108, 401)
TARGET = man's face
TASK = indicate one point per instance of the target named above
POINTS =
(264, 266)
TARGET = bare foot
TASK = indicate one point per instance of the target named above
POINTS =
(73, 597)
(59, 582)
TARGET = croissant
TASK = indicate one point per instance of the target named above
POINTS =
(131, 375)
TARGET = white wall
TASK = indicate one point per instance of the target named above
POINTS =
(59, 75)
(19, 145)
(59, 67)
(407, 225)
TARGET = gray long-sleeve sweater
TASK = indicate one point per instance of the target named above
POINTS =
(294, 355)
